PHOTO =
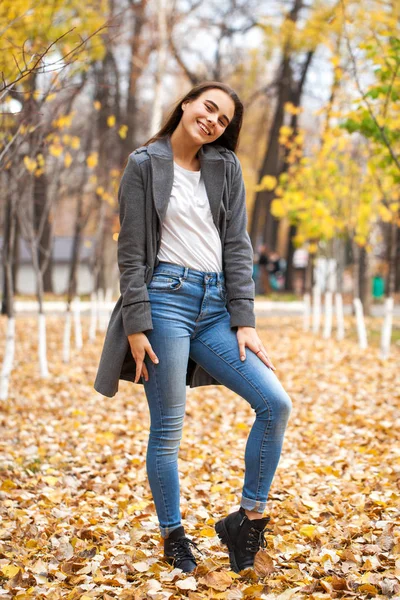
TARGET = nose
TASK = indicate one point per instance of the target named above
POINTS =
(211, 119)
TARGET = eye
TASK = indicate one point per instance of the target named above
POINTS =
(210, 109)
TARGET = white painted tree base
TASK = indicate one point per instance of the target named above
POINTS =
(77, 323)
(339, 317)
(93, 316)
(328, 316)
(316, 309)
(67, 337)
(102, 317)
(360, 323)
(307, 312)
(386, 334)
(44, 371)
(8, 360)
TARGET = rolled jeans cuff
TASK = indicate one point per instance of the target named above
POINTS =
(165, 531)
(250, 504)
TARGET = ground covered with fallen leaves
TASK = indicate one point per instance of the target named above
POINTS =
(76, 513)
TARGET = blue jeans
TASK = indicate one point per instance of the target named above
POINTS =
(190, 318)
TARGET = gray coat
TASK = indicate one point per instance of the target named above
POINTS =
(143, 197)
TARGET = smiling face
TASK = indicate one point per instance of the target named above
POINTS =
(205, 118)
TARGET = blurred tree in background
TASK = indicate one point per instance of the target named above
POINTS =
(84, 84)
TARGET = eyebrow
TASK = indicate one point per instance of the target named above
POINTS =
(217, 107)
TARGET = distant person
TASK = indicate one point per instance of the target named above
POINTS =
(300, 261)
(263, 262)
(276, 269)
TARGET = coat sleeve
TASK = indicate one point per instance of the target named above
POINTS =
(136, 310)
(238, 257)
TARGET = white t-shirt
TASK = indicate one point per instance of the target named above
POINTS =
(189, 236)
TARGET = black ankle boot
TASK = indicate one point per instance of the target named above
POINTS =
(243, 536)
(177, 550)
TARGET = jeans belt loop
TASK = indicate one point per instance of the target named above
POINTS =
(185, 273)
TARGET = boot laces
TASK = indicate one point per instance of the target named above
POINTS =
(182, 551)
(256, 539)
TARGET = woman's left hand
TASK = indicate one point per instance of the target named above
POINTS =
(247, 336)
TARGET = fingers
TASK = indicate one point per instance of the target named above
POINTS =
(259, 350)
(152, 354)
(145, 372)
(139, 367)
(265, 358)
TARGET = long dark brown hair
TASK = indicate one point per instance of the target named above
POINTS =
(229, 139)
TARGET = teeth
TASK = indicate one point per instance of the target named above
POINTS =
(203, 128)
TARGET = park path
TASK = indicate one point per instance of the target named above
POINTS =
(263, 308)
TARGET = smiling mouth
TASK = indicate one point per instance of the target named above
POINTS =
(203, 128)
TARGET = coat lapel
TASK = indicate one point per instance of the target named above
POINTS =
(212, 166)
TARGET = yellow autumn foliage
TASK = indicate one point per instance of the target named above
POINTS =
(327, 194)
(30, 28)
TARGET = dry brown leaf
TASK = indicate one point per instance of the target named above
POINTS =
(263, 563)
(218, 580)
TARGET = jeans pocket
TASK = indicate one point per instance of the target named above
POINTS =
(165, 282)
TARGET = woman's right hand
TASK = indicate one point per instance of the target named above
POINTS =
(140, 344)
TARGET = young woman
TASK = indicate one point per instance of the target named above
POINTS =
(186, 311)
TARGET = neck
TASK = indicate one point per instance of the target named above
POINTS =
(183, 148)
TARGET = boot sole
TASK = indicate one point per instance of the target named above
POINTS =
(225, 539)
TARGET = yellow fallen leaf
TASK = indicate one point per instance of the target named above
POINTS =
(8, 484)
(253, 590)
(242, 426)
(367, 588)
(207, 532)
(309, 531)
(50, 479)
(10, 570)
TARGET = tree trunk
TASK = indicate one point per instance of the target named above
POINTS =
(9, 350)
(397, 261)
(161, 53)
(393, 252)
(262, 221)
(7, 253)
(272, 161)
(289, 283)
(137, 64)
(45, 238)
(365, 281)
